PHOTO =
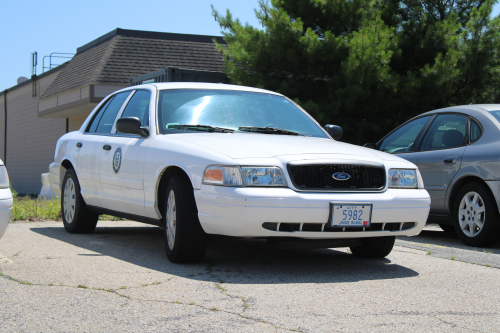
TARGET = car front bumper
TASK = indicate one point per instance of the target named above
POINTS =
(241, 212)
(6, 203)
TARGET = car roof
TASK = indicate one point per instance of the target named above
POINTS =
(469, 109)
(199, 85)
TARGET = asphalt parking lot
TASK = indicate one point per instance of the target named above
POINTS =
(118, 279)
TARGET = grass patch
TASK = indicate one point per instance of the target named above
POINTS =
(30, 208)
(82, 286)
(27, 208)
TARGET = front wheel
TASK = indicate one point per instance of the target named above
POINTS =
(77, 217)
(374, 247)
(475, 216)
(185, 240)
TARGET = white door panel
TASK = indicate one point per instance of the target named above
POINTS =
(122, 176)
(88, 160)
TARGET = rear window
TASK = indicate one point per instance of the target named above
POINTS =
(495, 114)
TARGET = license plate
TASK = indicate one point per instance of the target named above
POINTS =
(351, 215)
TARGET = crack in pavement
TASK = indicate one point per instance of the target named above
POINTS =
(115, 291)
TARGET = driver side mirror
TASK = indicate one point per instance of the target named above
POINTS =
(131, 125)
(334, 131)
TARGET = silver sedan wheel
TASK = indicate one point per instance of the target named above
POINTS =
(69, 200)
(471, 214)
(171, 219)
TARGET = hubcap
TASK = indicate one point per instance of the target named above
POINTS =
(471, 214)
(171, 219)
(69, 200)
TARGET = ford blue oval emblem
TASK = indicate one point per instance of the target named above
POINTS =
(341, 176)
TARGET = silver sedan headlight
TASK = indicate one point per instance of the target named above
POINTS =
(405, 178)
(244, 176)
(4, 177)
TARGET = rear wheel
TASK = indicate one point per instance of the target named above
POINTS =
(185, 240)
(374, 247)
(475, 216)
(77, 217)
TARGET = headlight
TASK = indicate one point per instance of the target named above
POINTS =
(222, 175)
(405, 178)
(248, 176)
(263, 176)
(4, 177)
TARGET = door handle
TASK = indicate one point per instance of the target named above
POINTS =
(450, 160)
(106, 147)
(79, 145)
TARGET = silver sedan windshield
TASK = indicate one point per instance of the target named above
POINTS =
(236, 110)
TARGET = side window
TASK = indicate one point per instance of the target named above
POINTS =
(93, 124)
(138, 106)
(446, 131)
(403, 138)
(475, 131)
(109, 115)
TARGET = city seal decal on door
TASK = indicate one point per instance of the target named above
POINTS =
(117, 160)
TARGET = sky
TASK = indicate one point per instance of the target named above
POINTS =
(63, 26)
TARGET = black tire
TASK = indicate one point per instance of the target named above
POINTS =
(189, 241)
(374, 247)
(77, 219)
(447, 227)
(466, 224)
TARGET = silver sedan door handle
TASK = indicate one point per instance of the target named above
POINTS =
(450, 160)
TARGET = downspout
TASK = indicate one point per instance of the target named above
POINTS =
(5, 126)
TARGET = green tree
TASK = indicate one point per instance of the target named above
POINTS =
(367, 65)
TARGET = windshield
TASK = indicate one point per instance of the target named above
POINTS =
(231, 110)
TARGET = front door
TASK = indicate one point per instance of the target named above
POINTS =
(122, 161)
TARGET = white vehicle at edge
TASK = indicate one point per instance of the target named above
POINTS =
(200, 159)
(6, 200)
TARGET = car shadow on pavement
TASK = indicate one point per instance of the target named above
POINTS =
(233, 260)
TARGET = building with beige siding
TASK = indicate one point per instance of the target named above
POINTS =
(35, 113)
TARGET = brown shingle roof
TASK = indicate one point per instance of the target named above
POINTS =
(115, 57)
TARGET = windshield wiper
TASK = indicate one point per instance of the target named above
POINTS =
(206, 128)
(268, 130)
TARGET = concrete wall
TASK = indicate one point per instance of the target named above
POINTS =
(2, 126)
(30, 140)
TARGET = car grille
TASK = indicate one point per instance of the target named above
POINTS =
(326, 227)
(320, 177)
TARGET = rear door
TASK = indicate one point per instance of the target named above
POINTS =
(439, 156)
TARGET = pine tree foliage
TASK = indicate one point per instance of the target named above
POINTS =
(367, 65)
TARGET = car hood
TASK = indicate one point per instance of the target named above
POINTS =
(249, 145)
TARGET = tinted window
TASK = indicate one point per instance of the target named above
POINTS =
(446, 131)
(109, 115)
(97, 117)
(475, 131)
(138, 106)
(403, 138)
(232, 109)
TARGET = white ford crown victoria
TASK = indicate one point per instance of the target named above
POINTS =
(198, 159)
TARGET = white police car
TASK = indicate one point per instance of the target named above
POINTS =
(200, 159)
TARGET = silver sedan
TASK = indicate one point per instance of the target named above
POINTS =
(457, 150)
